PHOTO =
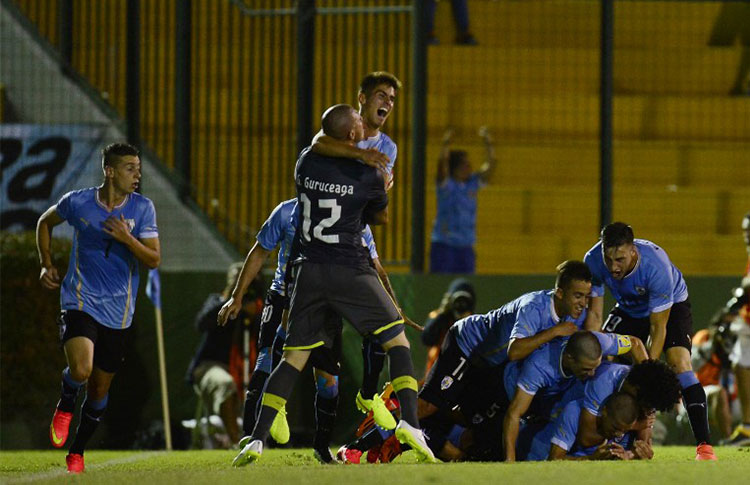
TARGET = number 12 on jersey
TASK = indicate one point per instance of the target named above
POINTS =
(330, 204)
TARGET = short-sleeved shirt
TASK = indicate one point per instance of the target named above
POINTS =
(542, 370)
(654, 285)
(455, 223)
(102, 277)
(562, 432)
(278, 231)
(336, 197)
(382, 143)
(488, 335)
(606, 381)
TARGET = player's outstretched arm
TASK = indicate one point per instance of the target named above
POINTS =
(147, 251)
(485, 171)
(49, 278)
(594, 315)
(658, 333)
(442, 168)
(638, 352)
(518, 407)
(331, 147)
(520, 348)
(250, 269)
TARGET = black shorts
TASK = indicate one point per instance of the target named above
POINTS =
(446, 380)
(109, 343)
(679, 325)
(325, 358)
(273, 310)
(355, 294)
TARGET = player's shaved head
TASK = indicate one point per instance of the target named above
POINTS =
(338, 121)
(622, 407)
(584, 345)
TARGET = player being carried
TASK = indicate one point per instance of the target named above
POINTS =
(337, 197)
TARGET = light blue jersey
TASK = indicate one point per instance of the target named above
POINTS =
(542, 370)
(562, 432)
(654, 285)
(606, 381)
(279, 230)
(382, 143)
(455, 223)
(488, 335)
(368, 240)
(102, 277)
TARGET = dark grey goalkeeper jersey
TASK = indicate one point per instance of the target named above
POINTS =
(336, 197)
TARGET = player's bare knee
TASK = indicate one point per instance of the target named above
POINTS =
(80, 371)
(398, 340)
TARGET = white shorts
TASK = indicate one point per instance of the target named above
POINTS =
(214, 384)
(740, 354)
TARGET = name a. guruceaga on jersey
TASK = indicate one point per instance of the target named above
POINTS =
(328, 187)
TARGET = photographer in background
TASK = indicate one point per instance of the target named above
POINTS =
(217, 368)
(458, 302)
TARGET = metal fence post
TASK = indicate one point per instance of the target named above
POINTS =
(605, 112)
(65, 30)
(305, 67)
(183, 140)
(419, 117)
(133, 74)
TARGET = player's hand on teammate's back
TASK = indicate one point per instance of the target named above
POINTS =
(566, 329)
(117, 228)
(49, 278)
(229, 311)
(373, 158)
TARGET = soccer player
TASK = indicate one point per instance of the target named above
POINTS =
(115, 229)
(512, 332)
(279, 231)
(454, 230)
(652, 383)
(376, 98)
(336, 199)
(652, 302)
(548, 377)
(557, 440)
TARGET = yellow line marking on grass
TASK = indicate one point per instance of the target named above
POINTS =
(62, 471)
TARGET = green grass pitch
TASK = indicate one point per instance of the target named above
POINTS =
(671, 465)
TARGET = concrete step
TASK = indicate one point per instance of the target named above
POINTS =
(538, 70)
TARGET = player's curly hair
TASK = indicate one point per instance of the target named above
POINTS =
(657, 385)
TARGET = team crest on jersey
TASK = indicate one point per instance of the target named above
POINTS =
(446, 382)
(640, 290)
(130, 223)
(477, 419)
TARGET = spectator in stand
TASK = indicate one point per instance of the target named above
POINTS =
(460, 16)
(454, 231)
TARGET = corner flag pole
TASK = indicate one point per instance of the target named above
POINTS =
(153, 291)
